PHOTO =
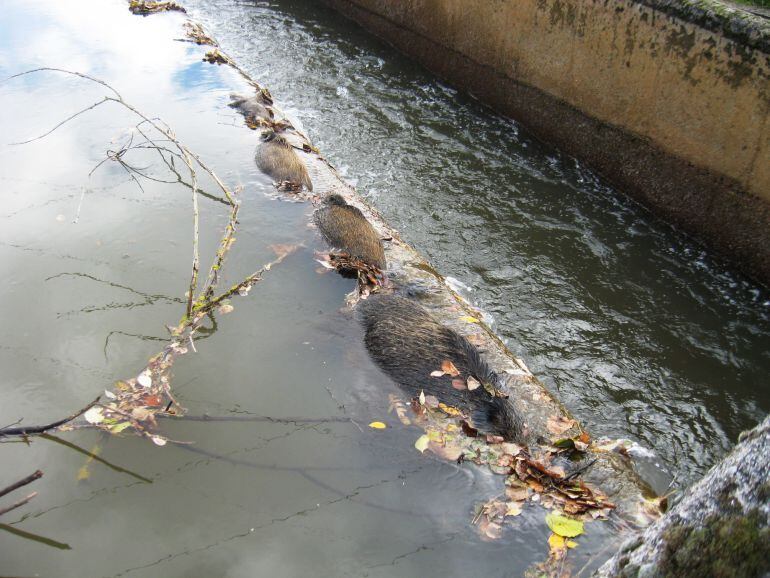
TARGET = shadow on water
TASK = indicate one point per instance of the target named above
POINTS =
(639, 332)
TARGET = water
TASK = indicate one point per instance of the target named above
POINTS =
(639, 332)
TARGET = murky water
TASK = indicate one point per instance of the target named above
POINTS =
(641, 334)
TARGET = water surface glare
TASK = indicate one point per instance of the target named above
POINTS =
(639, 332)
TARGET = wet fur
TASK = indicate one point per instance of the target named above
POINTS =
(345, 228)
(253, 107)
(276, 157)
(407, 343)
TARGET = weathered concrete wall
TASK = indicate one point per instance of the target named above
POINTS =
(669, 100)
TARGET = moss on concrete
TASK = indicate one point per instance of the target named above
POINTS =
(732, 546)
(739, 25)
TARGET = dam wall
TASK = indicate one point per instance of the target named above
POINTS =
(667, 100)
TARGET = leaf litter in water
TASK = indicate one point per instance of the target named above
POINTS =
(564, 526)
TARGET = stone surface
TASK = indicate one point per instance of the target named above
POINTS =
(731, 497)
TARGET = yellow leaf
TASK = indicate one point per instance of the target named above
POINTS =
(564, 526)
(449, 410)
(422, 443)
(117, 428)
(513, 509)
(83, 473)
(469, 319)
(556, 542)
(571, 544)
(377, 425)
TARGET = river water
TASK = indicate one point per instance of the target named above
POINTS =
(637, 330)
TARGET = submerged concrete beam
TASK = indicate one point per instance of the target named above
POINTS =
(668, 100)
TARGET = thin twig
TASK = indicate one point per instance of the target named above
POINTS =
(21, 431)
(22, 482)
(17, 504)
(196, 221)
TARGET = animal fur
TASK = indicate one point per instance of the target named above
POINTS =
(407, 343)
(276, 158)
(345, 228)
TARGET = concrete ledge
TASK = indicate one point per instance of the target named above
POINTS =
(671, 112)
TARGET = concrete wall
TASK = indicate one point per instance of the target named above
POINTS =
(668, 100)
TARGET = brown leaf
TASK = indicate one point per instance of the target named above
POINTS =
(518, 494)
(152, 400)
(558, 424)
(511, 448)
(493, 439)
(535, 485)
(431, 401)
(513, 509)
(449, 368)
(471, 432)
(473, 383)
(458, 383)
(281, 250)
(490, 530)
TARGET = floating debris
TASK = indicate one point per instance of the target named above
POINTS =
(145, 7)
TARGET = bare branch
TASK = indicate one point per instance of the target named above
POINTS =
(22, 482)
(17, 504)
(65, 121)
(21, 431)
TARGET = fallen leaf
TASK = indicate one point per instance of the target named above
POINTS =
(422, 397)
(158, 440)
(94, 415)
(431, 401)
(511, 448)
(377, 425)
(487, 529)
(558, 424)
(225, 308)
(144, 379)
(120, 427)
(564, 526)
(141, 413)
(513, 509)
(471, 432)
(519, 494)
(437, 373)
(473, 383)
(469, 319)
(83, 473)
(152, 400)
(449, 368)
(108, 394)
(422, 443)
(281, 250)
(448, 409)
(535, 485)
(459, 384)
(556, 542)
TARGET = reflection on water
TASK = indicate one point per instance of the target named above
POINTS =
(641, 335)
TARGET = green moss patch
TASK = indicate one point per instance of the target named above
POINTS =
(731, 546)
